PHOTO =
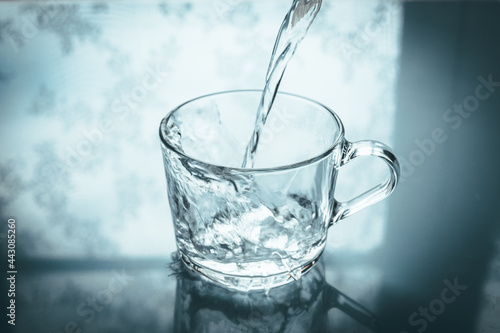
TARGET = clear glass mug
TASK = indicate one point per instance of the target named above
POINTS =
(261, 227)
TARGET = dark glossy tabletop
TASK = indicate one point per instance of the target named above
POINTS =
(84, 85)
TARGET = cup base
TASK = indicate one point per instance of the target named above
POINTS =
(249, 283)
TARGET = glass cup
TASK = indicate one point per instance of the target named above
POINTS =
(260, 227)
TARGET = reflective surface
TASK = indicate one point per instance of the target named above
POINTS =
(427, 259)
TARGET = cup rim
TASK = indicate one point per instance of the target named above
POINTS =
(295, 165)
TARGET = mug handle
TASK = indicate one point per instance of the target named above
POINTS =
(367, 148)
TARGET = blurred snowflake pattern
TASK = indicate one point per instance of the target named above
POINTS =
(83, 87)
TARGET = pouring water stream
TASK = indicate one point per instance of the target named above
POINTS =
(293, 29)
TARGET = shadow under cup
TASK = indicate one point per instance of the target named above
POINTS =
(261, 227)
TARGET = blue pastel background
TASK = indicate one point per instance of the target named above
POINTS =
(84, 85)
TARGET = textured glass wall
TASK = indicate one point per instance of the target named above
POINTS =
(84, 85)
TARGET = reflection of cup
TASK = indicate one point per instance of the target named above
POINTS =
(256, 228)
(301, 306)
